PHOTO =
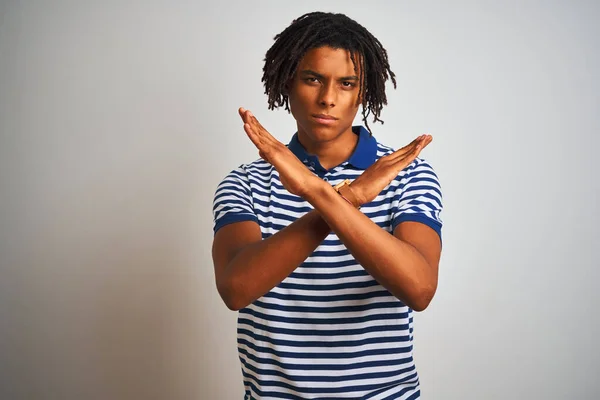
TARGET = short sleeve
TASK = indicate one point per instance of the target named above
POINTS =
(418, 197)
(233, 200)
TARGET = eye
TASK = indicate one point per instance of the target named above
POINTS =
(311, 79)
(348, 84)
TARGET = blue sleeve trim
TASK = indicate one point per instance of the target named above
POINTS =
(417, 217)
(230, 219)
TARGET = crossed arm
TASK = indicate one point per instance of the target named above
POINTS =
(405, 263)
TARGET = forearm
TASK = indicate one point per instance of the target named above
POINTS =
(260, 266)
(395, 264)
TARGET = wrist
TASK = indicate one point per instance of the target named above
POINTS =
(347, 193)
(351, 195)
(314, 189)
(357, 193)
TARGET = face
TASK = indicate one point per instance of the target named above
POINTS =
(323, 95)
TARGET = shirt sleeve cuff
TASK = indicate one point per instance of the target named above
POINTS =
(416, 217)
(230, 219)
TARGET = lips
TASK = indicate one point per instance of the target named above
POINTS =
(324, 119)
(324, 116)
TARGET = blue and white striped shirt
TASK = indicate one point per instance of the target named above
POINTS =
(329, 330)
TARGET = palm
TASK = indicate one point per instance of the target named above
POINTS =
(375, 178)
(294, 175)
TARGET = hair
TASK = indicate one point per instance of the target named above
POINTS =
(318, 29)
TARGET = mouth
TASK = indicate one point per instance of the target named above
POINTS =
(324, 119)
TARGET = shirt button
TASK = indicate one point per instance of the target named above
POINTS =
(312, 164)
(325, 179)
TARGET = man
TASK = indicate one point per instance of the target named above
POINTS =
(327, 245)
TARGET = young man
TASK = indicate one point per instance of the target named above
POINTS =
(327, 245)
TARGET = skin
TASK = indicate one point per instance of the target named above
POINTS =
(405, 263)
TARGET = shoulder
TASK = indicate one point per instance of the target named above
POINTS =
(418, 169)
(244, 172)
(257, 167)
(419, 175)
(419, 166)
(383, 150)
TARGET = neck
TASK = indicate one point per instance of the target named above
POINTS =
(332, 152)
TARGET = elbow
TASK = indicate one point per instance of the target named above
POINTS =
(419, 306)
(231, 296)
(232, 303)
(422, 298)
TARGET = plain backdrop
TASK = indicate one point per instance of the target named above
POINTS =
(118, 119)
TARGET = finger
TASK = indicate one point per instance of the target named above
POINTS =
(408, 158)
(261, 138)
(424, 142)
(242, 112)
(402, 162)
(264, 146)
(254, 138)
(428, 139)
(254, 121)
(398, 154)
(411, 144)
(261, 131)
(414, 153)
(409, 147)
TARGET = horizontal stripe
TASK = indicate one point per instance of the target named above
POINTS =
(317, 332)
(330, 379)
(316, 321)
(299, 390)
(320, 343)
(325, 298)
(304, 354)
(355, 308)
(376, 361)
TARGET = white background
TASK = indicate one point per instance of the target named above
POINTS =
(118, 120)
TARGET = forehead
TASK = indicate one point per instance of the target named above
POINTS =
(328, 61)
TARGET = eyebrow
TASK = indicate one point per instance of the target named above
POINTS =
(317, 75)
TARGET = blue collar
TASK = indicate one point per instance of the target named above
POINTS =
(365, 153)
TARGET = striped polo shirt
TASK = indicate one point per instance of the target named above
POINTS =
(329, 330)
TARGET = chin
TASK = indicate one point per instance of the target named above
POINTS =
(322, 133)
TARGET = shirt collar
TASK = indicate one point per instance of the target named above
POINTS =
(364, 155)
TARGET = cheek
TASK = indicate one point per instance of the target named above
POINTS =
(305, 94)
(351, 104)
(299, 99)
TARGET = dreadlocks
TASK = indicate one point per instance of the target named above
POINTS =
(319, 29)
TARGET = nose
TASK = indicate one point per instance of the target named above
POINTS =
(328, 94)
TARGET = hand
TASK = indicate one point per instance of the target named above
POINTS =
(375, 178)
(294, 176)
